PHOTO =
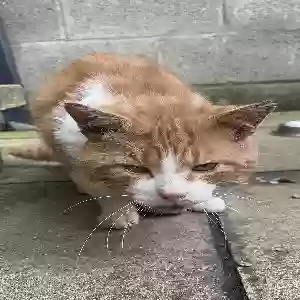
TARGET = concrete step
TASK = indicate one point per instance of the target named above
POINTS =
(14, 114)
(11, 96)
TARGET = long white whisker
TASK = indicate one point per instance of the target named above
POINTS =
(108, 235)
(127, 229)
(91, 233)
(235, 210)
(81, 202)
(140, 209)
(221, 227)
(110, 229)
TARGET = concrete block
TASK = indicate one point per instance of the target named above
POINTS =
(36, 60)
(238, 57)
(11, 96)
(34, 20)
(132, 18)
(264, 14)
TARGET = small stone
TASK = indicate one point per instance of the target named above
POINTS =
(244, 264)
(280, 249)
(275, 180)
(295, 196)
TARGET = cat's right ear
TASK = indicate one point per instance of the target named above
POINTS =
(92, 120)
(244, 120)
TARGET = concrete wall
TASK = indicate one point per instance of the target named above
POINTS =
(204, 41)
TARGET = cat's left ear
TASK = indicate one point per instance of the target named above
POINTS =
(244, 120)
(92, 120)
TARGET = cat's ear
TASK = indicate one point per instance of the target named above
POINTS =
(244, 120)
(92, 120)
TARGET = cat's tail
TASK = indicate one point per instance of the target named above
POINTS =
(39, 152)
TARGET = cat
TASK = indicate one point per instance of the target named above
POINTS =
(120, 122)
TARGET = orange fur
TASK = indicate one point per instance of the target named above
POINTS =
(39, 152)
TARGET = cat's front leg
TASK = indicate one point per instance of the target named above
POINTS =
(117, 214)
(214, 204)
(116, 211)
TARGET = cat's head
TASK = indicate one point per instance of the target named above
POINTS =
(171, 155)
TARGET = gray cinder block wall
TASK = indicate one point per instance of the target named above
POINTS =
(205, 42)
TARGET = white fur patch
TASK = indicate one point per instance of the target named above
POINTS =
(92, 93)
(67, 134)
(173, 181)
(170, 180)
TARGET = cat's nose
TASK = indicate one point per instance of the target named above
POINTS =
(173, 197)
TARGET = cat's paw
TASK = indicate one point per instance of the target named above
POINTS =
(120, 220)
(80, 190)
(215, 204)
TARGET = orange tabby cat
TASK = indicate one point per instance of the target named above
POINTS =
(121, 122)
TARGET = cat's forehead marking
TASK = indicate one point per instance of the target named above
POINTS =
(93, 93)
(169, 164)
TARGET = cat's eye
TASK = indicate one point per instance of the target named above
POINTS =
(210, 166)
(90, 128)
(137, 169)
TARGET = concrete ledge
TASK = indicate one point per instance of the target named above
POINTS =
(11, 96)
(263, 228)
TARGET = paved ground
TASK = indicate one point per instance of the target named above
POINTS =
(265, 232)
(164, 258)
(264, 227)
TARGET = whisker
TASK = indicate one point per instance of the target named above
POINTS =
(91, 233)
(81, 202)
(233, 209)
(146, 208)
(87, 200)
(218, 225)
(125, 232)
(110, 229)
(141, 208)
(127, 229)
(107, 237)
